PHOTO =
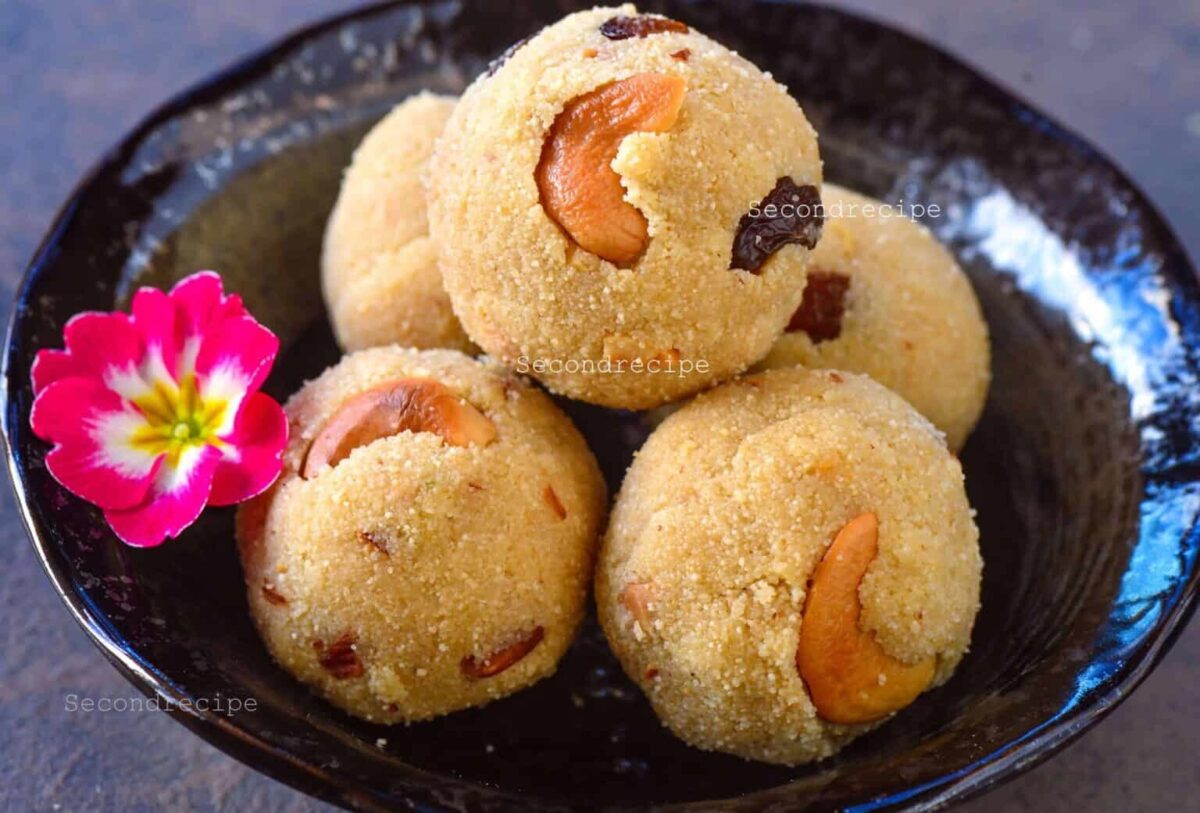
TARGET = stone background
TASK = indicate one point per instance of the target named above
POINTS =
(75, 75)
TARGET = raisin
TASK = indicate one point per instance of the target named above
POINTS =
(497, 63)
(643, 25)
(788, 214)
(272, 595)
(500, 660)
(339, 658)
(821, 310)
(683, 54)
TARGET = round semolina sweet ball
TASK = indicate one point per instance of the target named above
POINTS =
(379, 267)
(429, 545)
(791, 559)
(886, 299)
(624, 209)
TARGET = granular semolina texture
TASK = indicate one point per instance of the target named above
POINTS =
(379, 267)
(432, 569)
(713, 548)
(696, 138)
(884, 298)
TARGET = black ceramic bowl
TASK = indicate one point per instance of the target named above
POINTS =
(1084, 468)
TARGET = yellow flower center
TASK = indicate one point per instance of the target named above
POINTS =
(177, 418)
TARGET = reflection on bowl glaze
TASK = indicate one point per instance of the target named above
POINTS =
(1083, 468)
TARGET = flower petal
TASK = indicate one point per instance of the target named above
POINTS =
(201, 301)
(51, 365)
(176, 499)
(98, 346)
(238, 355)
(156, 319)
(253, 452)
(94, 456)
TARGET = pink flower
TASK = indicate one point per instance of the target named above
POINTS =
(153, 414)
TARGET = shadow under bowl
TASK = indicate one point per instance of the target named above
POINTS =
(1083, 469)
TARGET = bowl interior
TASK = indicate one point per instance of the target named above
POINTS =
(1082, 469)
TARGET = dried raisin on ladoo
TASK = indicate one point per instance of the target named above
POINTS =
(623, 27)
(788, 214)
(823, 306)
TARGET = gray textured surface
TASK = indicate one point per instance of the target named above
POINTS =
(76, 75)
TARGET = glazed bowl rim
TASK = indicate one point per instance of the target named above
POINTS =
(1002, 764)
